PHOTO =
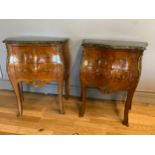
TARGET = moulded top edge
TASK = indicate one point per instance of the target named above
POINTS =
(115, 44)
(34, 40)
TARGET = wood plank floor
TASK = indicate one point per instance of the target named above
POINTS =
(40, 116)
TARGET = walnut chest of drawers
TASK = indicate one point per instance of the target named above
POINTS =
(38, 61)
(111, 66)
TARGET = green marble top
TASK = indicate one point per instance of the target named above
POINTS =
(35, 40)
(115, 44)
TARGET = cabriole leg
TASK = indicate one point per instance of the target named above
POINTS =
(60, 91)
(128, 106)
(67, 89)
(83, 98)
(21, 90)
(17, 90)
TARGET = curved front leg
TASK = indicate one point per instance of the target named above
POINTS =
(21, 91)
(83, 98)
(67, 89)
(60, 91)
(128, 103)
(17, 90)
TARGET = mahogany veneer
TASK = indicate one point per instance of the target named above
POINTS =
(38, 61)
(111, 66)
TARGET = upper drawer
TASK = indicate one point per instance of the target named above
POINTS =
(36, 54)
(48, 54)
(22, 54)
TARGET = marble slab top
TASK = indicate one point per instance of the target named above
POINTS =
(115, 44)
(33, 40)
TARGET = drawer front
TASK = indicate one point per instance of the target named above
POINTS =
(48, 54)
(36, 54)
(38, 71)
(23, 54)
(109, 68)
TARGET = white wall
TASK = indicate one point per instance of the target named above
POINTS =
(76, 30)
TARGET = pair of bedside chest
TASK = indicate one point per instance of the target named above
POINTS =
(107, 65)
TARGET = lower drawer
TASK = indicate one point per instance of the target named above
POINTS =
(38, 71)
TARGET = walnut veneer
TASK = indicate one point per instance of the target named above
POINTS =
(38, 61)
(111, 66)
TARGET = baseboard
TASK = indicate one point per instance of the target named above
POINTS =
(144, 97)
(139, 96)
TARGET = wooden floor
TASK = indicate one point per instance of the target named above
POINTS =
(41, 116)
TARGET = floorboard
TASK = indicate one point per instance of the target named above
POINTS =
(41, 116)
